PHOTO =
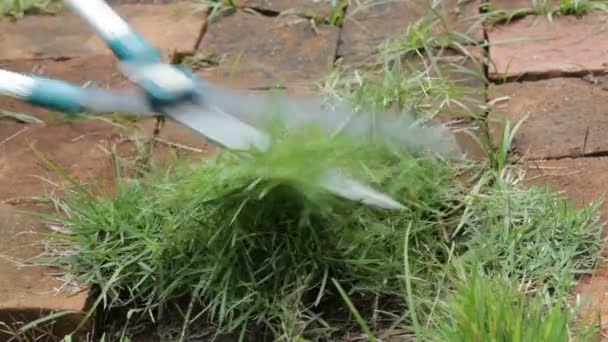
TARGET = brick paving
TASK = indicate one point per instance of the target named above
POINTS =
(555, 80)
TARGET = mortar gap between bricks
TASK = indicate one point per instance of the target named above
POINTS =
(261, 11)
(202, 32)
(337, 55)
(589, 155)
(536, 77)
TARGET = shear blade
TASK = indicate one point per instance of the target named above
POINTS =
(349, 188)
(218, 126)
(399, 129)
(234, 134)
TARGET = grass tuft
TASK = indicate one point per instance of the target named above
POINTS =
(19, 8)
(246, 235)
(485, 308)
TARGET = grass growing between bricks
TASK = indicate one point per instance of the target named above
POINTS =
(547, 8)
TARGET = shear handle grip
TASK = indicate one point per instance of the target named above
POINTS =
(70, 98)
(142, 63)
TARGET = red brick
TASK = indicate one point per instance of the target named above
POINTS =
(567, 117)
(172, 28)
(31, 292)
(262, 52)
(367, 27)
(534, 47)
(81, 148)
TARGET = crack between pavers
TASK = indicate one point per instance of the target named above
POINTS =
(543, 76)
(590, 155)
(262, 11)
(267, 13)
(201, 33)
(486, 56)
(337, 55)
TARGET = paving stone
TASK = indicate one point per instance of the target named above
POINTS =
(536, 48)
(367, 27)
(172, 28)
(287, 51)
(307, 7)
(100, 70)
(31, 292)
(567, 116)
(81, 148)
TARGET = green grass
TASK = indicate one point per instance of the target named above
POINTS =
(547, 8)
(486, 308)
(530, 237)
(247, 243)
(256, 248)
(581, 7)
(19, 8)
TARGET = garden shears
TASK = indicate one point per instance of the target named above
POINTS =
(226, 117)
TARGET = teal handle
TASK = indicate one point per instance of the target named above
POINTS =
(160, 81)
(132, 47)
(58, 95)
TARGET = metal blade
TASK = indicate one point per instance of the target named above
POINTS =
(349, 188)
(401, 129)
(219, 127)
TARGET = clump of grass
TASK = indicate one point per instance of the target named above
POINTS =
(243, 236)
(408, 86)
(533, 237)
(581, 7)
(486, 308)
(218, 6)
(19, 8)
(253, 244)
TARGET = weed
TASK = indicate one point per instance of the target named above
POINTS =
(417, 84)
(19, 117)
(485, 308)
(533, 237)
(581, 7)
(547, 8)
(19, 8)
(335, 17)
(218, 6)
